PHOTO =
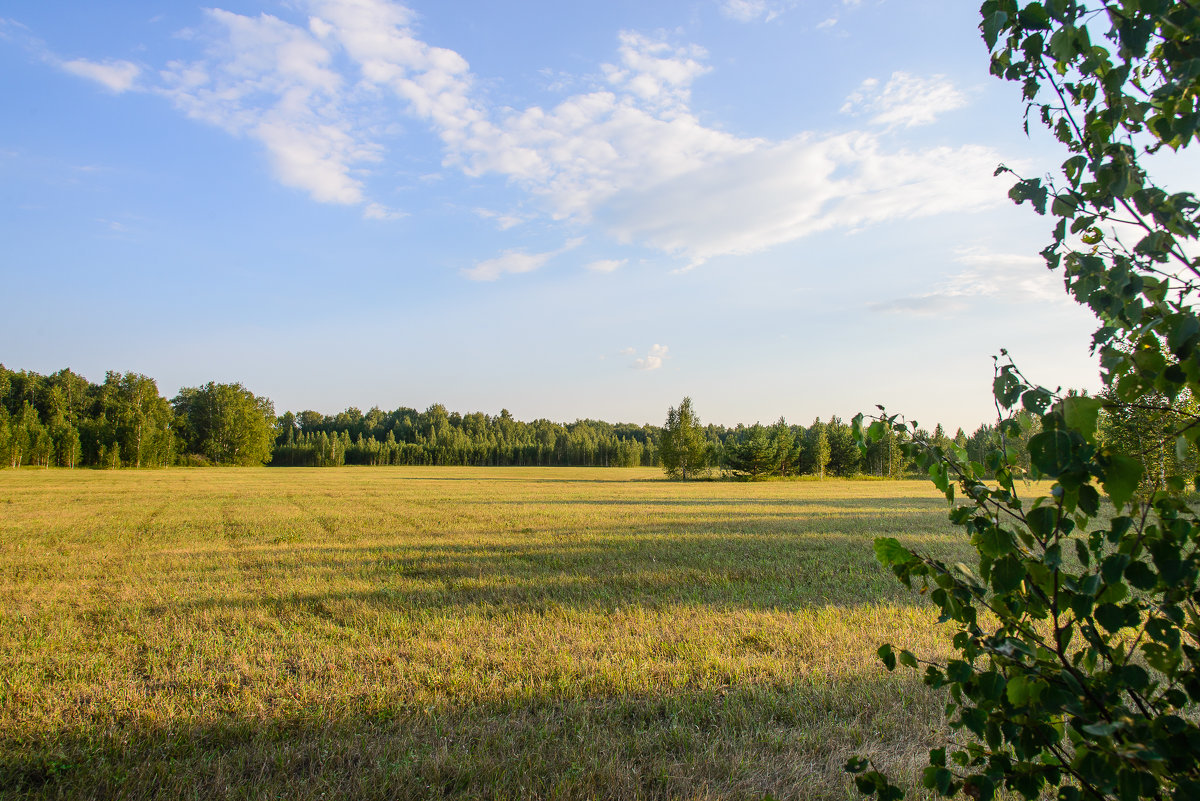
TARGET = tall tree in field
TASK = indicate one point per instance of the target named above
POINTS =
(684, 450)
(226, 423)
(784, 443)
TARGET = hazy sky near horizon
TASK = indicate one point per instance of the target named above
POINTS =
(566, 209)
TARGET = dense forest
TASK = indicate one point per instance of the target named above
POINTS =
(64, 420)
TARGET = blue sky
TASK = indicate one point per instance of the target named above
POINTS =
(566, 209)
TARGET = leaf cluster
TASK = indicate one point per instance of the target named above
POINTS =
(1077, 639)
(1076, 633)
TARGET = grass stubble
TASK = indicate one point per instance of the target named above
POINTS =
(443, 632)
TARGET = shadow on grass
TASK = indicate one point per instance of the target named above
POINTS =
(495, 475)
(753, 571)
(747, 742)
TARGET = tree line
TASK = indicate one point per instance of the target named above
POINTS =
(64, 420)
(689, 450)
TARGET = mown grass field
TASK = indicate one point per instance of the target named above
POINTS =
(445, 632)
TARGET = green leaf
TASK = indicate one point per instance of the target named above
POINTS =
(1007, 574)
(1140, 575)
(1017, 690)
(991, 685)
(991, 26)
(889, 551)
(1105, 729)
(1082, 552)
(887, 655)
(994, 541)
(856, 764)
(1082, 414)
(1122, 475)
(1042, 521)
(1006, 388)
(1089, 500)
(1050, 451)
(1110, 617)
(939, 779)
(1036, 400)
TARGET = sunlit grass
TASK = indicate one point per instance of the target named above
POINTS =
(507, 633)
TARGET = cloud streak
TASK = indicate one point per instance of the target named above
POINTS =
(515, 262)
(1001, 277)
(905, 100)
(116, 76)
(606, 265)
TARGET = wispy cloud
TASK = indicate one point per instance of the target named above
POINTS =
(754, 10)
(607, 265)
(514, 262)
(274, 82)
(503, 221)
(1002, 277)
(750, 202)
(905, 100)
(627, 153)
(378, 211)
(653, 359)
(116, 76)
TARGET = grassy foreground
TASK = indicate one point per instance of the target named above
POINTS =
(453, 632)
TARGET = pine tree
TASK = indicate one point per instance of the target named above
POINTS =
(784, 442)
(755, 456)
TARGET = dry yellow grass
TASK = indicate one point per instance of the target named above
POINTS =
(426, 632)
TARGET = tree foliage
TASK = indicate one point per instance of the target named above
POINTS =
(685, 452)
(1077, 633)
(226, 423)
(757, 455)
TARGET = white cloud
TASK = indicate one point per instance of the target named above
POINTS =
(628, 154)
(378, 211)
(652, 360)
(513, 262)
(607, 265)
(637, 161)
(752, 10)
(503, 221)
(274, 81)
(827, 23)
(116, 76)
(905, 101)
(749, 202)
(1003, 277)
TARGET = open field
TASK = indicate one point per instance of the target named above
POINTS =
(430, 632)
